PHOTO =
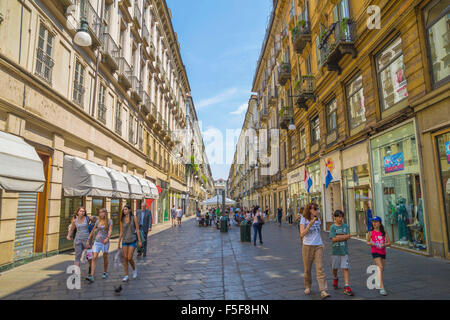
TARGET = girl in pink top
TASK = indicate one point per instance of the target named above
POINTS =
(378, 240)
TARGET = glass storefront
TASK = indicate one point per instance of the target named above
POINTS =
(97, 204)
(397, 189)
(443, 144)
(315, 192)
(68, 207)
(357, 199)
(115, 216)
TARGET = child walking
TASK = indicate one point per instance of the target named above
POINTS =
(339, 234)
(378, 240)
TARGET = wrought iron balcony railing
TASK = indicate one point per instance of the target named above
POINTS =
(301, 35)
(304, 90)
(88, 12)
(125, 72)
(137, 16)
(101, 112)
(284, 73)
(110, 52)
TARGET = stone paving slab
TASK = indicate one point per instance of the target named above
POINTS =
(191, 262)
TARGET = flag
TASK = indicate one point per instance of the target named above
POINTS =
(308, 181)
(328, 176)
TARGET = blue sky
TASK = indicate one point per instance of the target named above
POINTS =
(220, 44)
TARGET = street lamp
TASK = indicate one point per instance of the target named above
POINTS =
(82, 37)
(292, 125)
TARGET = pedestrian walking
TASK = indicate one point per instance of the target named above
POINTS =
(102, 230)
(80, 223)
(173, 215)
(145, 218)
(129, 237)
(180, 215)
(339, 234)
(378, 240)
(312, 248)
(280, 215)
(267, 211)
(290, 214)
(258, 222)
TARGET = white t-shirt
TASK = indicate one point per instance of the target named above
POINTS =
(312, 238)
(179, 213)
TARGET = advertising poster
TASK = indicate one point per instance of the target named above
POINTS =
(447, 151)
(394, 163)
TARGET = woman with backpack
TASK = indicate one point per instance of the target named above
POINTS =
(103, 226)
(129, 239)
(312, 248)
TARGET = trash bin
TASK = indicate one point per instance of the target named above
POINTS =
(245, 231)
(223, 224)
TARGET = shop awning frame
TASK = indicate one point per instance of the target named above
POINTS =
(134, 186)
(121, 189)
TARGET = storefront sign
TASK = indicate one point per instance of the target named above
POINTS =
(394, 163)
(447, 150)
(296, 175)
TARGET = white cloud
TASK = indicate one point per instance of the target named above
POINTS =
(242, 108)
(223, 96)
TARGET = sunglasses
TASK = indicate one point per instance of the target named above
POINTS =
(315, 208)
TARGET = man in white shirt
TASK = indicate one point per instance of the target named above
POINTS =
(179, 215)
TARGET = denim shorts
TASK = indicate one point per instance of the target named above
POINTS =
(100, 246)
(132, 244)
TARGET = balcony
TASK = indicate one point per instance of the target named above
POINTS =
(301, 35)
(137, 15)
(273, 95)
(284, 73)
(124, 73)
(286, 114)
(264, 114)
(110, 52)
(152, 50)
(338, 41)
(153, 112)
(304, 90)
(136, 89)
(93, 20)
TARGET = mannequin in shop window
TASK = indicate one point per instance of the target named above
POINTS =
(402, 216)
(369, 217)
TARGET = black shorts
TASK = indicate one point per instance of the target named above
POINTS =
(377, 255)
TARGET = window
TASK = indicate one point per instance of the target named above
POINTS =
(341, 11)
(315, 130)
(317, 42)
(141, 137)
(355, 102)
(437, 25)
(130, 130)
(293, 148)
(118, 118)
(302, 140)
(391, 75)
(78, 84)
(44, 61)
(101, 112)
(331, 110)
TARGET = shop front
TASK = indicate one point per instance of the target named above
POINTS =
(296, 196)
(163, 202)
(315, 192)
(332, 191)
(397, 186)
(356, 189)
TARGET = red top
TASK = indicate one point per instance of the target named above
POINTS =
(378, 239)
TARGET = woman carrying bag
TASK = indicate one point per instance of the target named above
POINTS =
(312, 248)
(258, 222)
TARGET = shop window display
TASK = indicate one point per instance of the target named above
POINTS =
(97, 204)
(443, 143)
(398, 196)
(115, 215)
(315, 192)
(68, 207)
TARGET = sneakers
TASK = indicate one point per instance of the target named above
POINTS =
(105, 275)
(125, 279)
(383, 292)
(90, 278)
(335, 283)
(135, 273)
(348, 291)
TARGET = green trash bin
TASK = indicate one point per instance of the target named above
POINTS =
(245, 231)
(223, 224)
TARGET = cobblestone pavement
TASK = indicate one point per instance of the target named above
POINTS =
(192, 262)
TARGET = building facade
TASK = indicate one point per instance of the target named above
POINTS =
(366, 106)
(114, 108)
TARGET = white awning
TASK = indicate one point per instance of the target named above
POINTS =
(120, 185)
(145, 187)
(154, 190)
(134, 186)
(85, 178)
(21, 169)
(218, 200)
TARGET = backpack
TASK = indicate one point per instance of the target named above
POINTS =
(91, 225)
